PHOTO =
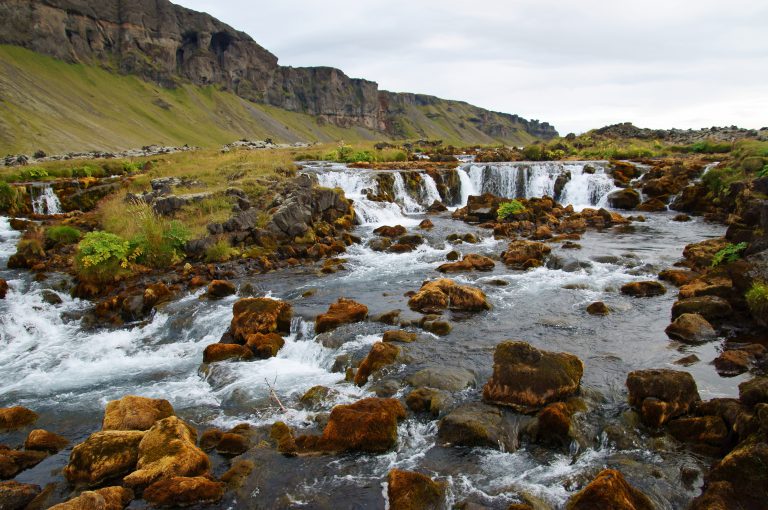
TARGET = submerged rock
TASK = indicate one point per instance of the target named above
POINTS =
(691, 328)
(104, 455)
(609, 490)
(475, 424)
(343, 311)
(398, 335)
(390, 232)
(525, 254)
(661, 394)
(260, 315)
(16, 417)
(184, 491)
(108, 498)
(16, 496)
(135, 413)
(527, 379)
(13, 462)
(442, 294)
(428, 400)
(380, 355)
(218, 289)
(442, 378)
(470, 262)
(643, 289)
(223, 352)
(407, 490)
(598, 308)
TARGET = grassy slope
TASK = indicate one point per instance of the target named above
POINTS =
(54, 106)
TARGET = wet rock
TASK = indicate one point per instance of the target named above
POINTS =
(691, 328)
(104, 455)
(474, 424)
(626, 199)
(428, 400)
(44, 441)
(343, 311)
(643, 289)
(390, 317)
(525, 254)
(407, 490)
(709, 432)
(315, 397)
(426, 224)
(598, 308)
(232, 444)
(708, 286)
(687, 361)
(16, 417)
(218, 289)
(443, 294)
(51, 297)
(440, 328)
(754, 391)
(681, 217)
(453, 255)
(168, 449)
(184, 491)
(733, 362)
(709, 307)
(470, 262)
(380, 355)
(390, 232)
(553, 424)
(368, 425)
(210, 438)
(16, 496)
(661, 394)
(701, 254)
(3, 288)
(527, 379)
(264, 346)
(652, 205)
(135, 413)
(677, 277)
(13, 462)
(381, 244)
(398, 335)
(260, 315)
(235, 477)
(406, 243)
(609, 490)
(286, 444)
(442, 378)
(108, 498)
(437, 206)
(223, 352)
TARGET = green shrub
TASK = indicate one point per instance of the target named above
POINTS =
(63, 234)
(33, 174)
(88, 171)
(102, 257)
(9, 198)
(131, 167)
(159, 243)
(365, 156)
(507, 209)
(763, 172)
(221, 251)
(757, 301)
(707, 147)
(343, 152)
(718, 179)
(730, 253)
(534, 153)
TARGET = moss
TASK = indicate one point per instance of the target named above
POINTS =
(757, 300)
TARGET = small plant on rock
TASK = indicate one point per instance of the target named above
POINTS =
(159, 242)
(730, 253)
(101, 257)
(510, 208)
(220, 251)
(757, 301)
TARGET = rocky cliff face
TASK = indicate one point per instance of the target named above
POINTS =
(168, 44)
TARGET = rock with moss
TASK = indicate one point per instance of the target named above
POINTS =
(610, 490)
(524, 254)
(16, 417)
(661, 394)
(16, 496)
(108, 498)
(380, 355)
(259, 315)
(44, 441)
(343, 311)
(408, 490)
(103, 456)
(443, 294)
(135, 413)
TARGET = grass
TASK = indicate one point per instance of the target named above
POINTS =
(757, 300)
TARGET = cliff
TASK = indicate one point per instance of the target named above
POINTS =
(169, 45)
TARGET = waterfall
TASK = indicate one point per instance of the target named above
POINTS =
(467, 187)
(402, 197)
(44, 200)
(429, 191)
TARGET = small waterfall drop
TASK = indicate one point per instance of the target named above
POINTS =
(402, 197)
(44, 200)
(467, 187)
(430, 191)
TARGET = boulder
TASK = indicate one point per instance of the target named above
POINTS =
(626, 199)
(343, 311)
(470, 262)
(553, 424)
(222, 352)
(710, 432)
(13, 462)
(16, 496)
(691, 328)
(380, 355)
(264, 346)
(701, 254)
(183, 491)
(709, 307)
(609, 490)
(677, 277)
(218, 289)
(135, 413)
(103, 456)
(398, 335)
(643, 289)
(527, 379)
(442, 378)
(16, 417)
(525, 254)
(210, 438)
(390, 232)
(368, 425)
(232, 444)
(426, 224)
(44, 441)
(661, 394)
(442, 294)
(407, 490)
(260, 315)
(283, 436)
(754, 391)
(427, 400)
(598, 308)
(316, 396)
(168, 449)
(108, 498)
(475, 424)
(439, 328)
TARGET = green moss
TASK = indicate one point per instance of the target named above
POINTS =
(63, 234)
(757, 300)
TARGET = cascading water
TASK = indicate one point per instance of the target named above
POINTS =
(402, 196)
(430, 192)
(44, 200)
(467, 186)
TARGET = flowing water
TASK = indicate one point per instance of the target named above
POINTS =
(44, 200)
(59, 366)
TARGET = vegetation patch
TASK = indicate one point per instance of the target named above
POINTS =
(102, 257)
(63, 234)
(510, 208)
(757, 300)
(220, 251)
(730, 253)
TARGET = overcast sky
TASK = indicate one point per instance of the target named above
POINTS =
(577, 65)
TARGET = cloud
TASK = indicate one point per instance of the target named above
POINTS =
(577, 65)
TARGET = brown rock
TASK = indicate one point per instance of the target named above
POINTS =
(691, 328)
(166, 450)
(390, 317)
(754, 391)
(182, 491)
(427, 400)
(470, 262)
(408, 490)
(524, 254)
(282, 434)
(709, 307)
(368, 425)
(104, 455)
(3, 288)
(16, 496)
(643, 289)
(733, 362)
(624, 199)
(155, 294)
(390, 232)
(265, 346)
(554, 424)
(652, 205)
(527, 379)
(218, 289)
(398, 335)
(44, 441)
(661, 394)
(236, 476)
(233, 444)
(13, 462)
(475, 424)
(108, 498)
(260, 315)
(426, 224)
(708, 431)
(598, 308)
(677, 277)
(609, 490)
(343, 311)
(210, 438)
(222, 352)
(701, 254)
(442, 294)
(380, 355)
(16, 417)
(135, 413)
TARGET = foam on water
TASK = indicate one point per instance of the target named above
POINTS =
(44, 200)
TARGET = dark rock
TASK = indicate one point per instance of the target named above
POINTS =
(609, 490)
(108, 498)
(16, 496)
(399, 336)
(661, 394)
(468, 263)
(218, 289)
(428, 400)
(407, 490)
(525, 254)
(754, 391)
(709, 307)
(626, 199)
(380, 355)
(183, 491)
(442, 378)
(691, 328)
(16, 417)
(475, 424)
(598, 308)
